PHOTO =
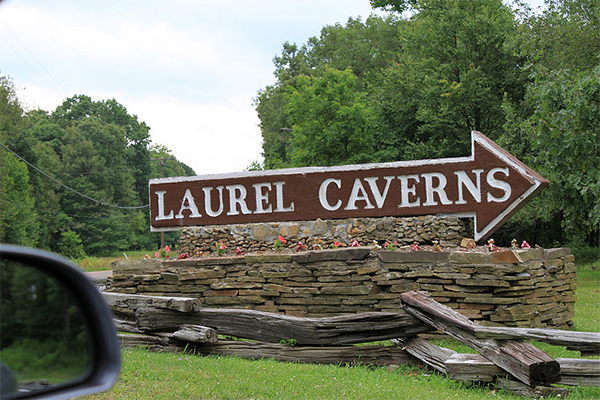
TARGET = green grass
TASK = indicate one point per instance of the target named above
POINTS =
(91, 264)
(147, 375)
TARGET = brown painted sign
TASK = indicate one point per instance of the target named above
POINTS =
(490, 186)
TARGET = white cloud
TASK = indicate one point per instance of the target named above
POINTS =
(187, 68)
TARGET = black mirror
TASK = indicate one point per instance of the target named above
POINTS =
(57, 336)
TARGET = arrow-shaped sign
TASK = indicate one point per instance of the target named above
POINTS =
(490, 186)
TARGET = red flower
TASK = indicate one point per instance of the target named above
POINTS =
(281, 239)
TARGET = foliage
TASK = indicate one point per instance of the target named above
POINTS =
(103, 157)
(413, 84)
(70, 245)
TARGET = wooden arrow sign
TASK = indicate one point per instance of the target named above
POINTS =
(490, 186)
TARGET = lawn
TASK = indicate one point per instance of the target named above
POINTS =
(147, 375)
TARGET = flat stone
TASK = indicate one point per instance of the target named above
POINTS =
(557, 253)
(345, 254)
(468, 258)
(132, 266)
(413, 256)
(268, 258)
(508, 256)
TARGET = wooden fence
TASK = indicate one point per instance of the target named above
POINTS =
(506, 359)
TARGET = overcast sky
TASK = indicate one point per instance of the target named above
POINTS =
(188, 68)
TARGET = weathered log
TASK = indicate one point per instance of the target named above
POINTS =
(432, 355)
(196, 334)
(539, 391)
(586, 342)
(273, 328)
(524, 361)
(126, 326)
(475, 367)
(129, 303)
(150, 342)
(353, 355)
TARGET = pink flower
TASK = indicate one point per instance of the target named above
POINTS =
(525, 245)
(355, 243)
(157, 254)
(415, 246)
(281, 239)
(300, 247)
(167, 249)
(238, 251)
(222, 246)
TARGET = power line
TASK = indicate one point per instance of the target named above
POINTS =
(68, 188)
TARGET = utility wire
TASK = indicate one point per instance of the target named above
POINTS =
(68, 188)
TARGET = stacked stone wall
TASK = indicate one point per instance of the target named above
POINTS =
(529, 287)
(448, 231)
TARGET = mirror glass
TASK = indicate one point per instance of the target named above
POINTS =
(43, 336)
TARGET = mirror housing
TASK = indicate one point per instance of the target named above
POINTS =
(105, 357)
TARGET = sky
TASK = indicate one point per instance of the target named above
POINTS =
(189, 69)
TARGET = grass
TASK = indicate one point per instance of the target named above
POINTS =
(91, 264)
(147, 375)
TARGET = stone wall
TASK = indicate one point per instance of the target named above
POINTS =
(529, 287)
(259, 237)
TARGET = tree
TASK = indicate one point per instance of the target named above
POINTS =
(332, 125)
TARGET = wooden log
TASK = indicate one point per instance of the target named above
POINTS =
(475, 367)
(432, 355)
(524, 361)
(273, 328)
(538, 391)
(586, 342)
(196, 334)
(149, 342)
(353, 355)
(126, 326)
(129, 303)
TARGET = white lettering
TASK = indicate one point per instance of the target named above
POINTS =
(279, 196)
(191, 205)
(323, 194)
(498, 184)
(474, 189)
(406, 190)
(208, 201)
(379, 197)
(237, 197)
(262, 198)
(161, 207)
(358, 194)
(430, 190)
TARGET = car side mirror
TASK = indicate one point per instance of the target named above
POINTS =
(57, 335)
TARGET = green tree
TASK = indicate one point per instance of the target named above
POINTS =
(18, 218)
(332, 125)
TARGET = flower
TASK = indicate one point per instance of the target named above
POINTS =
(415, 246)
(239, 251)
(220, 248)
(525, 245)
(300, 247)
(336, 244)
(157, 254)
(278, 243)
(355, 243)
(167, 249)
